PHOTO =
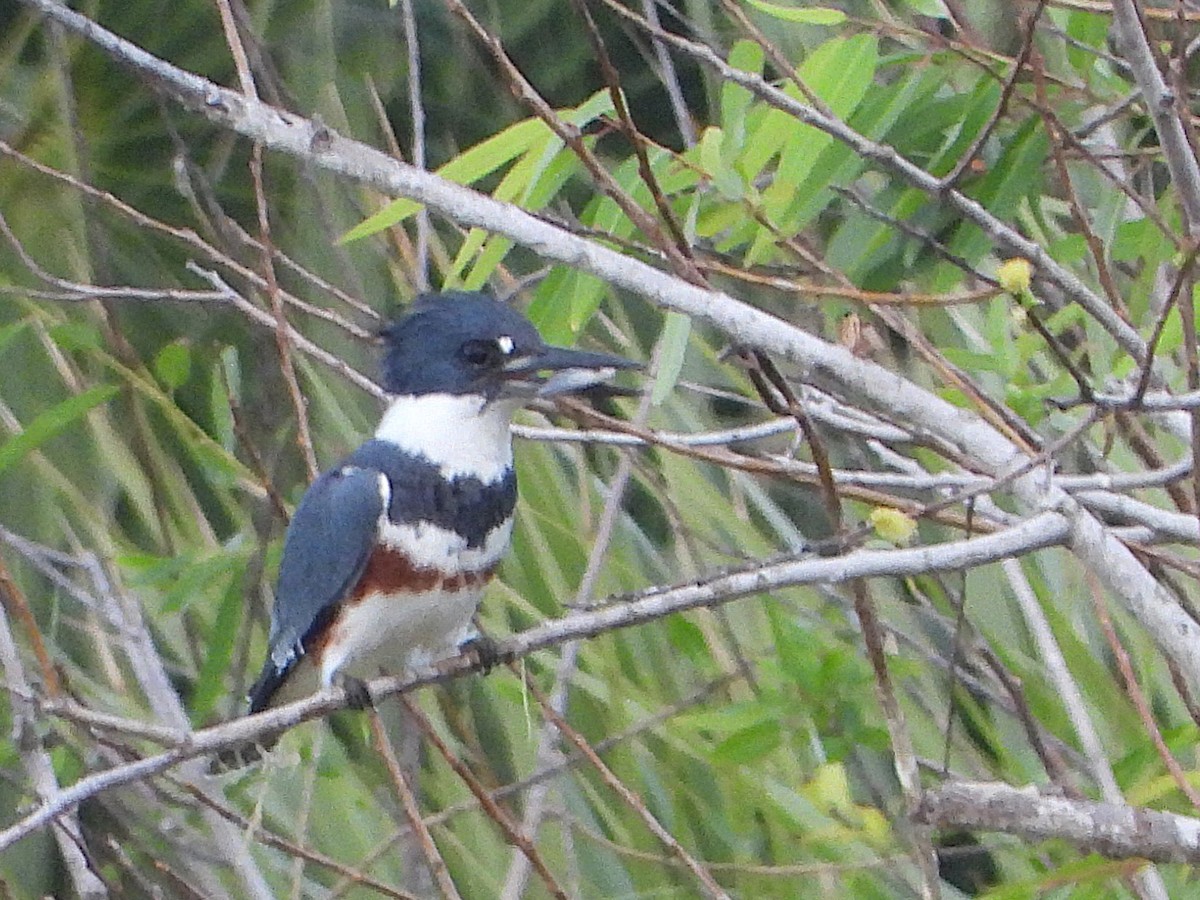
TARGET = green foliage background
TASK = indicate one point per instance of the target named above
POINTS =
(140, 441)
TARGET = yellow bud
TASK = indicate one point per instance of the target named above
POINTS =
(892, 525)
(1015, 275)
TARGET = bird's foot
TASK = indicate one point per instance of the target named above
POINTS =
(358, 695)
(485, 653)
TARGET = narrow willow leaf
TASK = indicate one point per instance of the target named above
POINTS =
(811, 15)
(750, 744)
(735, 99)
(674, 342)
(76, 336)
(226, 379)
(487, 157)
(52, 422)
(531, 184)
(210, 683)
(468, 167)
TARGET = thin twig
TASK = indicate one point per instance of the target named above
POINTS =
(1016, 72)
(412, 810)
(416, 109)
(570, 135)
(632, 800)
(287, 367)
(1043, 530)
(1138, 696)
(493, 809)
(40, 769)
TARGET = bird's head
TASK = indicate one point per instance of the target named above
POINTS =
(467, 344)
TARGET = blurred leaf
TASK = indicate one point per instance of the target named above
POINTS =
(519, 140)
(736, 100)
(724, 177)
(223, 637)
(173, 365)
(53, 422)
(687, 637)
(225, 380)
(805, 15)
(673, 343)
(933, 8)
(11, 332)
(76, 336)
(750, 744)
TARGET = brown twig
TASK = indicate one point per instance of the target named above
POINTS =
(282, 330)
(1137, 696)
(412, 810)
(493, 809)
(241, 62)
(1006, 91)
(629, 128)
(777, 395)
(570, 135)
(1055, 132)
(631, 799)
(14, 601)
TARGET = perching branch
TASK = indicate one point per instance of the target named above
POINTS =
(1037, 533)
(832, 367)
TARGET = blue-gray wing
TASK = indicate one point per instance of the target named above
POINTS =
(327, 546)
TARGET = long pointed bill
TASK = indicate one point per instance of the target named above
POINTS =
(571, 371)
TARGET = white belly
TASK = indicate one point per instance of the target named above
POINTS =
(384, 633)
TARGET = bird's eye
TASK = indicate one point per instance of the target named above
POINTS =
(481, 353)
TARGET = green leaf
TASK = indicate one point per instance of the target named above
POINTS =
(226, 378)
(216, 459)
(76, 336)
(750, 744)
(793, 648)
(173, 365)
(806, 15)
(1017, 174)
(531, 184)
(724, 177)
(468, 167)
(222, 638)
(486, 157)
(932, 8)
(735, 99)
(674, 341)
(10, 332)
(562, 299)
(841, 73)
(687, 637)
(52, 422)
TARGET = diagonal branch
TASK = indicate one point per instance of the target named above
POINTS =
(1163, 106)
(1118, 832)
(1043, 530)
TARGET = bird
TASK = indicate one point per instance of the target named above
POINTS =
(388, 552)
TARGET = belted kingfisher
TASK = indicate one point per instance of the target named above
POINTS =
(388, 553)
